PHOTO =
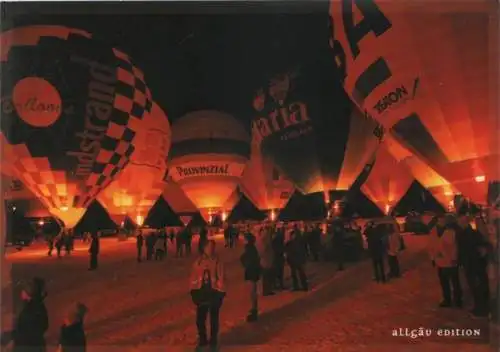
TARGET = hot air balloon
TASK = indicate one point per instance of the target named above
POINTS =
(208, 156)
(19, 196)
(179, 202)
(388, 181)
(311, 131)
(70, 110)
(140, 184)
(437, 185)
(263, 184)
(424, 70)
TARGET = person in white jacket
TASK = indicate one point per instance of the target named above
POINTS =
(443, 250)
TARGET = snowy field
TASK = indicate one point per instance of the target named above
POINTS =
(147, 307)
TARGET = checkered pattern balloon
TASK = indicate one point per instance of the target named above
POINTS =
(71, 108)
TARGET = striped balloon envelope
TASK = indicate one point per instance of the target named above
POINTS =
(209, 152)
(70, 110)
(138, 187)
(427, 70)
(388, 181)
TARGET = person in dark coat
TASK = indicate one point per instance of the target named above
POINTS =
(203, 239)
(33, 320)
(315, 242)
(59, 241)
(139, 243)
(179, 242)
(338, 242)
(296, 259)
(250, 260)
(188, 239)
(279, 258)
(72, 334)
(472, 256)
(150, 246)
(227, 235)
(376, 246)
(94, 250)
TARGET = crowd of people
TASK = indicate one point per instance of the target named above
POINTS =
(454, 245)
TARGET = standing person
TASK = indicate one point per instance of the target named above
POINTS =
(338, 243)
(72, 334)
(59, 240)
(94, 250)
(179, 242)
(160, 246)
(376, 246)
(296, 258)
(150, 245)
(279, 258)
(67, 241)
(172, 235)
(227, 235)
(266, 257)
(473, 249)
(50, 244)
(250, 260)
(33, 320)
(203, 239)
(207, 292)
(188, 239)
(139, 242)
(315, 242)
(444, 254)
(394, 247)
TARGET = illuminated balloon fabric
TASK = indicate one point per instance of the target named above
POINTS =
(179, 202)
(208, 155)
(140, 184)
(318, 142)
(436, 184)
(424, 70)
(70, 111)
(388, 181)
(264, 186)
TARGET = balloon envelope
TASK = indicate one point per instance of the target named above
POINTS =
(424, 70)
(70, 111)
(140, 184)
(179, 202)
(208, 156)
(311, 131)
(388, 181)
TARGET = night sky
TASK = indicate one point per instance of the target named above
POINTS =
(197, 57)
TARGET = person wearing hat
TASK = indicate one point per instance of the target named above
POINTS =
(33, 320)
(250, 260)
(443, 251)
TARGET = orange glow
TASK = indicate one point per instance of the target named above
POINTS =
(443, 95)
(70, 216)
(224, 216)
(41, 223)
(388, 181)
(139, 220)
(140, 184)
(273, 215)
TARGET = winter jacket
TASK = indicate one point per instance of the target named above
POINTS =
(443, 249)
(31, 325)
(265, 248)
(295, 252)
(215, 268)
(72, 338)
(394, 243)
(250, 260)
(161, 243)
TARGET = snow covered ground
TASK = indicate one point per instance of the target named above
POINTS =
(147, 307)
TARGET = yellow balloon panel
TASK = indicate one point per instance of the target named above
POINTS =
(388, 182)
(428, 72)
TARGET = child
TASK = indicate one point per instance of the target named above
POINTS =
(72, 336)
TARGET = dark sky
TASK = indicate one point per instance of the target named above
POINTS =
(196, 56)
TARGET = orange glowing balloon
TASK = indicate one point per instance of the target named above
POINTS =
(140, 184)
(388, 181)
(263, 184)
(427, 70)
(438, 186)
(179, 202)
(70, 110)
(208, 156)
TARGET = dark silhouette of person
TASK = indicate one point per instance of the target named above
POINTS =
(279, 258)
(376, 246)
(94, 250)
(250, 260)
(203, 239)
(139, 244)
(32, 322)
(338, 242)
(296, 259)
(72, 333)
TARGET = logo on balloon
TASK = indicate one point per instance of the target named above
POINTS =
(36, 101)
(396, 97)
